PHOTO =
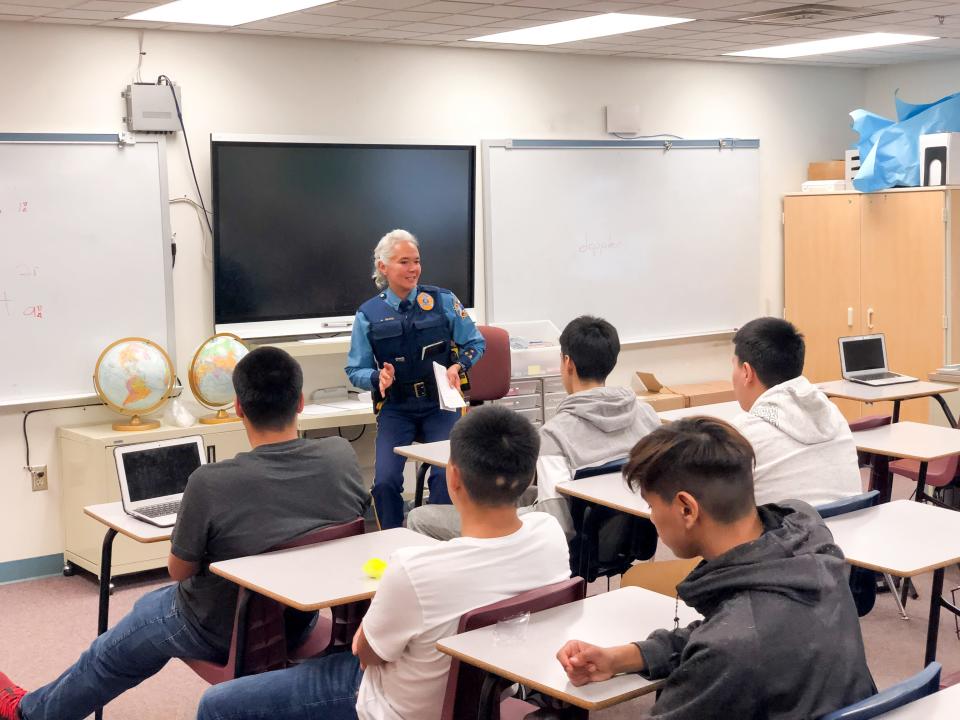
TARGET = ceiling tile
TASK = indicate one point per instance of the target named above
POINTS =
(445, 6)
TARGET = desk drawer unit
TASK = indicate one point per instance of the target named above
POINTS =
(520, 402)
(534, 415)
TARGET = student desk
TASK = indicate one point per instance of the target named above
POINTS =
(910, 440)
(720, 411)
(435, 454)
(895, 393)
(904, 538)
(941, 705)
(117, 521)
(613, 618)
(608, 490)
(318, 576)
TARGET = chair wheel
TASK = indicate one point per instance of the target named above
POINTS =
(69, 569)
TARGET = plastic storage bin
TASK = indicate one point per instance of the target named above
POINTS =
(519, 402)
(534, 415)
(524, 387)
(553, 385)
(543, 355)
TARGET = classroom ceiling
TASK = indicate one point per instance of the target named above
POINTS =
(720, 26)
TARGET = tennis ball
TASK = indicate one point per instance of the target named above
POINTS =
(374, 568)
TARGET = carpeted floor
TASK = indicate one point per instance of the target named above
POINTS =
(47, 623)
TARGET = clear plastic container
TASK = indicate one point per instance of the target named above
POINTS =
(534, 415)
(552, 400)
(524, 387)
(542, 355)
(553, 385)
(520, 402)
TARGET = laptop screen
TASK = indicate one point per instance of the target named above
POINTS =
(156, 472)
(864, 354)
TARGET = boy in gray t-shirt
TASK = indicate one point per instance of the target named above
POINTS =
(283, 488)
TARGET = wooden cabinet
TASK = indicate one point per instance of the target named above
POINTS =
(89, 476)
(856, 264)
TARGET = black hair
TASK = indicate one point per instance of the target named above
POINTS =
(495, 450)
(593, 345)
(773, 347)
(269, 384)
(703, 456)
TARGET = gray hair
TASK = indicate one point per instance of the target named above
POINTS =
(384, 252)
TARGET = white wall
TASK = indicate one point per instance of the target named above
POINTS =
(917, 82)
(68, 79)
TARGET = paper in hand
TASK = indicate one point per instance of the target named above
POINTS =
(450, 398)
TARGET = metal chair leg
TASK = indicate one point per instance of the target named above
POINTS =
(896, 596)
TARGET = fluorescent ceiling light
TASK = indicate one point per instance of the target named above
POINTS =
(222, 12)
(833, 45)
(582, 29)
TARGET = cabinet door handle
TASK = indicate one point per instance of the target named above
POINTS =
(211, 453)
(849, 317)
(870, 318)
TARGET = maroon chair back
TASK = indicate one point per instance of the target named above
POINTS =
(868, 423)
(464, 682)
(490, 377)
(259, 640)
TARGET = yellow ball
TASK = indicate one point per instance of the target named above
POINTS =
(374, 568)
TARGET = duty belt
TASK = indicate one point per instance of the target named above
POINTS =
(419, 389)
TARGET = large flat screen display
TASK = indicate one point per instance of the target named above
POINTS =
(295, 225)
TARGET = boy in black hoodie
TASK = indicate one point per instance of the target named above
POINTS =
(780, 636)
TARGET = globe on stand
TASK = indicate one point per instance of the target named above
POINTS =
(211, 375)
(134, 376)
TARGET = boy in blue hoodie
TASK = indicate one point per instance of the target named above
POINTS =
(780, 636)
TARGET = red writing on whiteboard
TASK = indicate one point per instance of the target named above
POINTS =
(23, 206)
(34, 311)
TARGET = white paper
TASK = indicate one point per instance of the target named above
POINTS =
(450, 398)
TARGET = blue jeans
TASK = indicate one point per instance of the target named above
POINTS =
(321, 689)
(399, 424)
(127, 654)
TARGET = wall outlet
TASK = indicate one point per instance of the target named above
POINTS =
(38, 477)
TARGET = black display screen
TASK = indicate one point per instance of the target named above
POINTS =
(156, 472)
(295, 224)
(863, 354)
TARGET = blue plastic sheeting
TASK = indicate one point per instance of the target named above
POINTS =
(889, 151)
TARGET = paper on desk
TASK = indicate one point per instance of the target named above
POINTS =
(450, 398)
(319, 410)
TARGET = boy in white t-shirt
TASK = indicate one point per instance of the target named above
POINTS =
(396, 672)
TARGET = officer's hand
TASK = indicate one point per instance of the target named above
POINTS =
(386, 377)
(453, 376)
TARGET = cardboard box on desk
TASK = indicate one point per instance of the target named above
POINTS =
(830, 170)
(706, 393)
(651, 391)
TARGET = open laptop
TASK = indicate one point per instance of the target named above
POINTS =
(863, 359)
(153, 476)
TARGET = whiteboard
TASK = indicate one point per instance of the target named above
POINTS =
(84, 259)
(662, 243)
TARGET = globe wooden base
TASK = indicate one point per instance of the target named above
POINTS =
(222, 416)
(136, 423)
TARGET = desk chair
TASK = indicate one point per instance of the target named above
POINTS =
(471, 693)
(863, 582)
(868, 423)
(939, 474)
(259, 640)
(924, 683)
(636, 537)
(489, 380)
(659, 576)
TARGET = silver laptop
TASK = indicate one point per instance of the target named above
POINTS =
(153, 476)
(863, 359)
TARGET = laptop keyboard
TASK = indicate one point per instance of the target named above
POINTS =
(878, 376)
(153, 511)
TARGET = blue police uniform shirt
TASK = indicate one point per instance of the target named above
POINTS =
(362, 366)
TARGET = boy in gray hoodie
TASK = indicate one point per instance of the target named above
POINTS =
(803, 444)
(593, 425)
(769, 575)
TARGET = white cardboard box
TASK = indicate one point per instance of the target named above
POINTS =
(940, 159)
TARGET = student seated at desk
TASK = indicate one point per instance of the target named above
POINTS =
(780, 636)
(396, 667)
(803, 444)
(283, 488)
(593, 425)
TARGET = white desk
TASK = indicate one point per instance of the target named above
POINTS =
(608, 490)
(117, 522)
(891, 393)
(903, 538)
(318, 576)
(943, 705)
(910, 440)
(613, 618)
(336, 414)
(726, 411)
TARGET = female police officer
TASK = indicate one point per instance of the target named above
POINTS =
(397, 336)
